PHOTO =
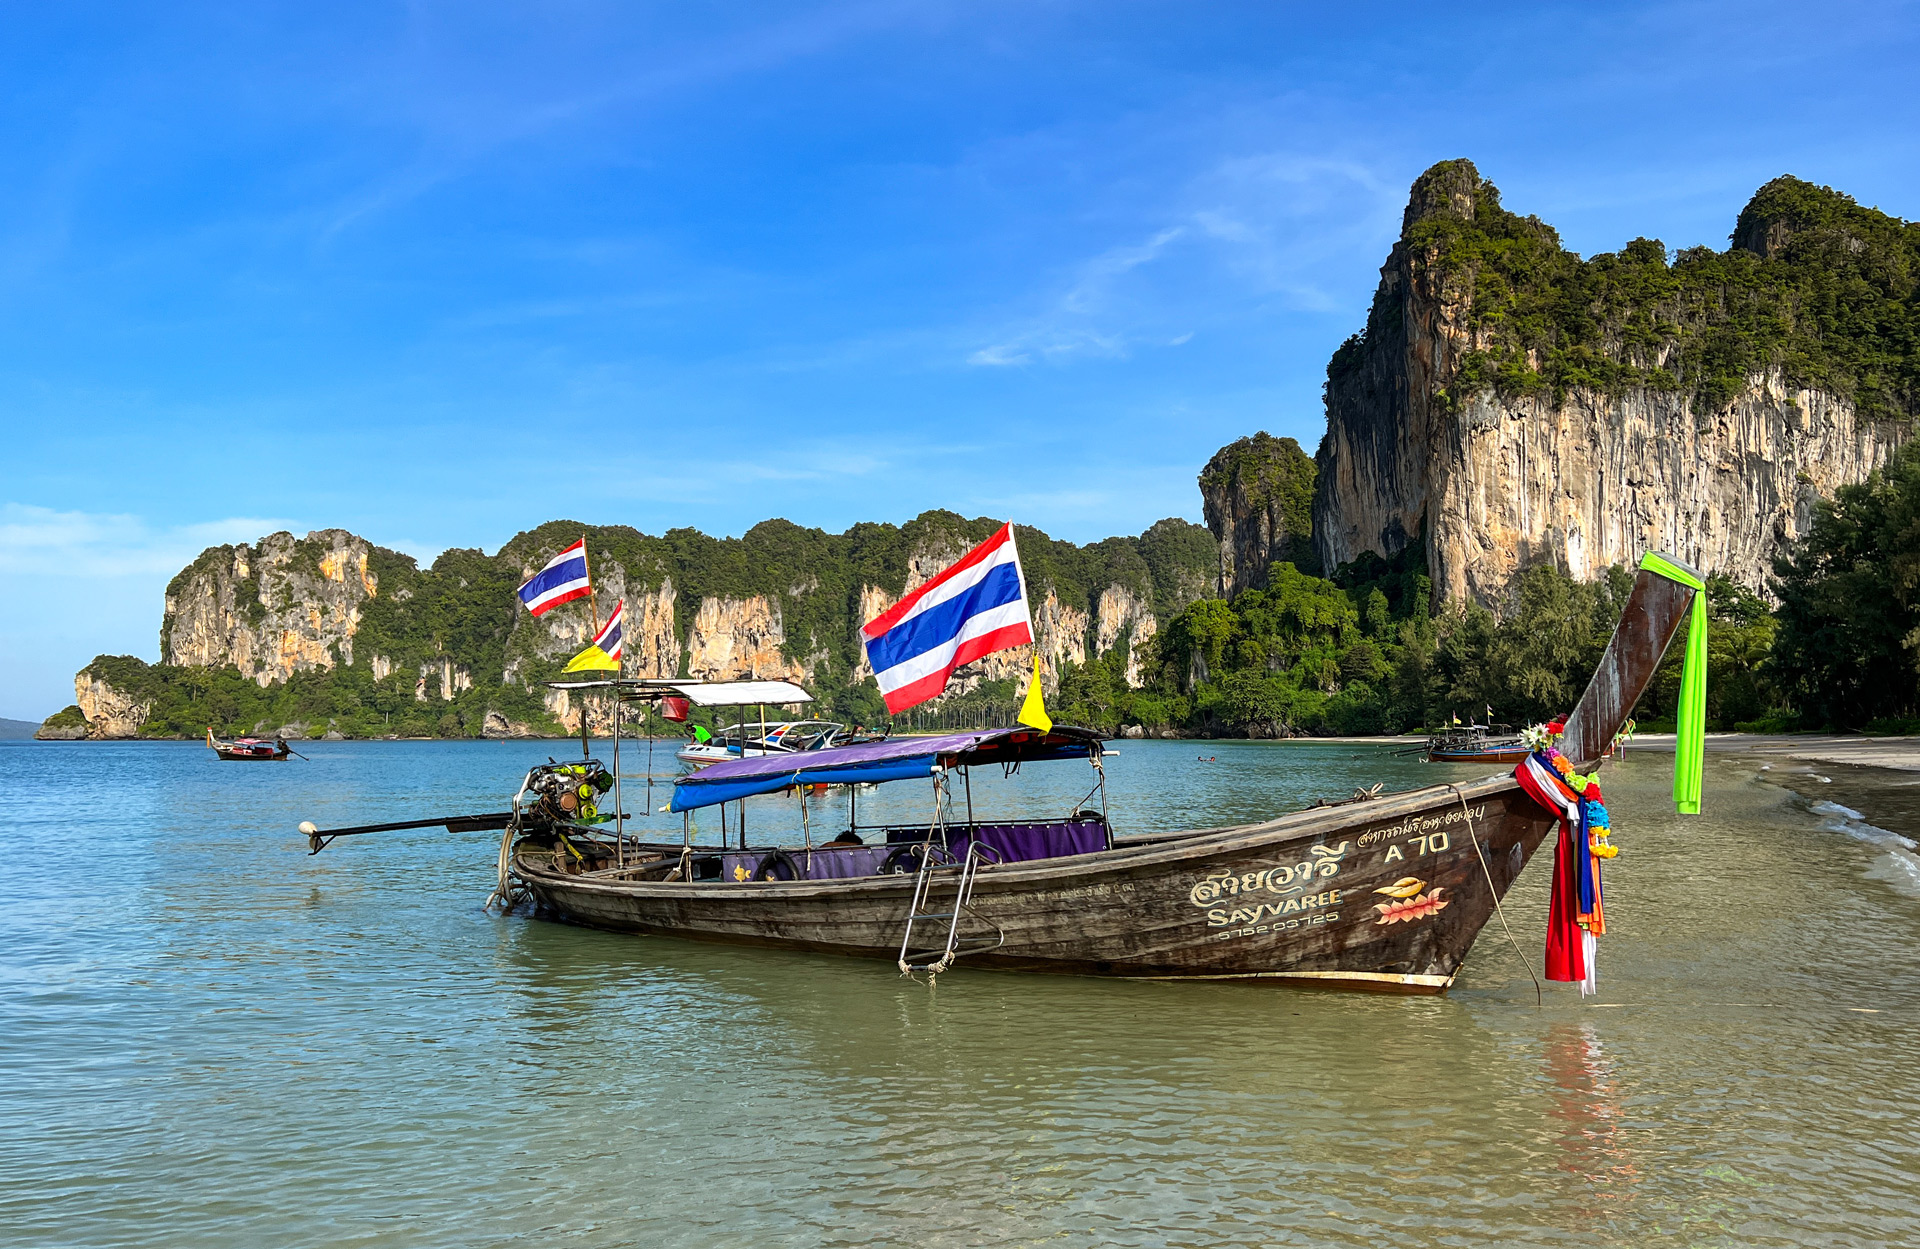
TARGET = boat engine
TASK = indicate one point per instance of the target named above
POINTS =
(569, 793)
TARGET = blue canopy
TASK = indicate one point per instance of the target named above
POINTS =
(895, 759)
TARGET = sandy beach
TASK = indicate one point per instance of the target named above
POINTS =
(1878, 777)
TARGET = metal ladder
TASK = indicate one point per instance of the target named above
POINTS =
(912, 960)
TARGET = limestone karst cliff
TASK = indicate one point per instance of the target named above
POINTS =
(280, 606)
(1511, 404)
(449, 649)
(1258, 495)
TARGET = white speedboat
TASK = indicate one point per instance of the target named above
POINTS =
(782, 737)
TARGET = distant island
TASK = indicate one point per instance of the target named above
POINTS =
(1513, 427)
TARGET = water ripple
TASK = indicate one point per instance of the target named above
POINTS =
(212, 1039)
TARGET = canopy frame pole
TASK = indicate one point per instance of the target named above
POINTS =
(1097, 751)
(806, 828)
(619, 806)
(966, 778)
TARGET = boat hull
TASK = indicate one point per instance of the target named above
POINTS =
(1387, 896)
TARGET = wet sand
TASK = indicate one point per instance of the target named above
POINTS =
(1877, 778)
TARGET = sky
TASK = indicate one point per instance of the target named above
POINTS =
(438, 272)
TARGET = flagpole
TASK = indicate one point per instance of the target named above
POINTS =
(1033, 634)
(592, 611)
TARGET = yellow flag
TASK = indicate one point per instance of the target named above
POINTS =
(592, 659)
(1033, 712)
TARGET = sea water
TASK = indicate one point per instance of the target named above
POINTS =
(210, 1038)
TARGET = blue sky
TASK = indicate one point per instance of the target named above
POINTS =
(438, 272)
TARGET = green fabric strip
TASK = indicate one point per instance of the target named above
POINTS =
(1690, 721)
(1690, 718)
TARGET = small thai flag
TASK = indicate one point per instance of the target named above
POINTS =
(608, 641)
(563, 580)
(974, 608)
(603, 654)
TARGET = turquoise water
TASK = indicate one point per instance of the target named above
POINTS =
(209, 1038)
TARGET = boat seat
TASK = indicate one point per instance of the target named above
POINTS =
(1023, 843)
(1002, 843)
(820, 863)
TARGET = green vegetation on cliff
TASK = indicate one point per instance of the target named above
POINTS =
(1816, 286)
(1259, 495)
(1306, 655)
(449, 651)
(69, 721)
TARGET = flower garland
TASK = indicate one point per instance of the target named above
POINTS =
(1576, 914)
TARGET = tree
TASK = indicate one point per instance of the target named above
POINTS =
(1849, 618)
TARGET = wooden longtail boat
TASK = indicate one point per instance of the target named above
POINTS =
(1381, 893)
(248, 749)
(1472, 744)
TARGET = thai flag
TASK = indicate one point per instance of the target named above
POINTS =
(608, 639)
(563, 580)
(974, 608)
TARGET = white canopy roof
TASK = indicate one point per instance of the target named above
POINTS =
(741, 693)
(702, 693)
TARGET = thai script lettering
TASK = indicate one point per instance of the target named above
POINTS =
(1321, 862)
(1415, 824)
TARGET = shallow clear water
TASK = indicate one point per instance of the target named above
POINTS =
(208, 1038)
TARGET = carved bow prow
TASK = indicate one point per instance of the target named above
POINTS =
(1653, 614)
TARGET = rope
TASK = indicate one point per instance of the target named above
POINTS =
(1539, 998)
(503, 891)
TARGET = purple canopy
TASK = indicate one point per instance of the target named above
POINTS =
(895, 759)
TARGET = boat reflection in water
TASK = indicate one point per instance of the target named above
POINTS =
(1383, 893)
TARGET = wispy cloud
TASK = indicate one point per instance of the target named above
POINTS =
(1258, 229)
(1068, 328)
(92, 545)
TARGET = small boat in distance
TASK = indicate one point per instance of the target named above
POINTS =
(249, 749)
(1476, 743)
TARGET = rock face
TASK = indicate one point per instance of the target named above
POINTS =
(110, 712)
(1119, 616)
(453, 646)
(1499, 447)
(1258, 494)
(740, 640)
(283, 606)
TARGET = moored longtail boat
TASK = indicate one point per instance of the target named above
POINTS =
(1383, 893)
(1474, 743)
(249, 749)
